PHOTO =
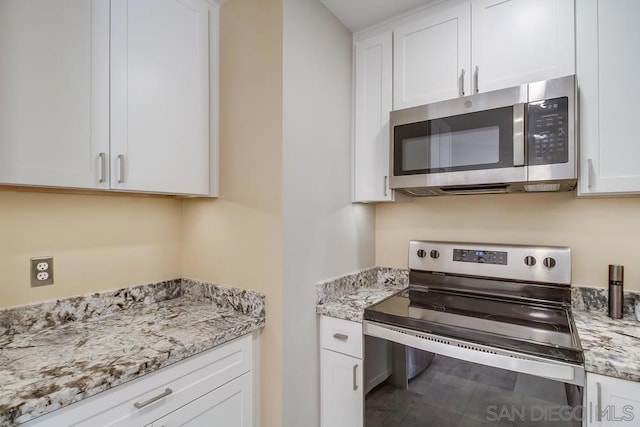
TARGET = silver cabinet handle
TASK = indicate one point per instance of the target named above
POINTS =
(341, 337)
(355, 377)
(462, 82)
(386, 178)
(140, 405)
(103, 167)
(599, 402)
(120, 168)
(590, 173)
(475, 78)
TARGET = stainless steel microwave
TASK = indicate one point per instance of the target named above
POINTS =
(510, 140)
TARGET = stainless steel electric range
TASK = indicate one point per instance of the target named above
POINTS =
(490, 306)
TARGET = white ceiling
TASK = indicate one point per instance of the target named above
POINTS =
(359, 14)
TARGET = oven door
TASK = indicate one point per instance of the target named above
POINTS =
(474, 140)
(467, 385)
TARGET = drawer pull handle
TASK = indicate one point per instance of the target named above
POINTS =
(341, 337)
(166, 393)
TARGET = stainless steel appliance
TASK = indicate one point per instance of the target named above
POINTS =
(501, 310)
(510, 140)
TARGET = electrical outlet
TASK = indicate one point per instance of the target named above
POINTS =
(41, 271)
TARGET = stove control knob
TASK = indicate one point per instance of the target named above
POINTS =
(530, 261)
(421, 253)
(434, 254)
(549, 262)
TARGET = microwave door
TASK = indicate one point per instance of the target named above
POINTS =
(473, 140)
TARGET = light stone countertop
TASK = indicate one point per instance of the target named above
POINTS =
(46, 368)
(346, 297)
(611, 346)
(351, 306)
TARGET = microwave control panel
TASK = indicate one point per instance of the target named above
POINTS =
(548, 131)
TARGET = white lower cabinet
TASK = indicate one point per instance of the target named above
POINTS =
(611, 402)
(341, 376)
(213, 388)
(342, 394)
(227, 406)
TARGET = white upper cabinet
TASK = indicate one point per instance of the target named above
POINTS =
(373, 102)
(431, 56)
(459, 47)
(608, 42)
(54, 93)
(521, 41)
(160, 96)
(109, 94)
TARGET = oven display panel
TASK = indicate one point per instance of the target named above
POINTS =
(480, 256)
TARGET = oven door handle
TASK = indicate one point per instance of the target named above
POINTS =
(474, 353)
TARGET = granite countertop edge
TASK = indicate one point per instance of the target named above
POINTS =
(607, 342)
(346, 297)
(143, 339)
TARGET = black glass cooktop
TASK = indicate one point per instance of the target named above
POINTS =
(536, 329)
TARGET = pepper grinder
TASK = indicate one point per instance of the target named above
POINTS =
(616, 291)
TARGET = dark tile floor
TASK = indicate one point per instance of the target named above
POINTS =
(452, 393)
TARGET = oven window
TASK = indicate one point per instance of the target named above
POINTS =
(435, 390)
(482, 140)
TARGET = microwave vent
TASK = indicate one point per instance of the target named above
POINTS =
(420, 192)
(476, 189)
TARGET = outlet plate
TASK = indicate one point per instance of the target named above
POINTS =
(41, 271)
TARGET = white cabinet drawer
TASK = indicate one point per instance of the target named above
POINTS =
(187, 380)
(342, 336)
(227, 406)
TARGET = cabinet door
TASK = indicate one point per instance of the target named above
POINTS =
(431, 57)
(373, 102)
(342, 390)
(160, 96)
(612, 402)
(228, 406)
(54, 93)
(521, 41)
(608, 39)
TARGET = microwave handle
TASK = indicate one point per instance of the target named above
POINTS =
(519, 139)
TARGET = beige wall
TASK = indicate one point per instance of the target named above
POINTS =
(237, 239)
(599, 231)
(98, 243)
